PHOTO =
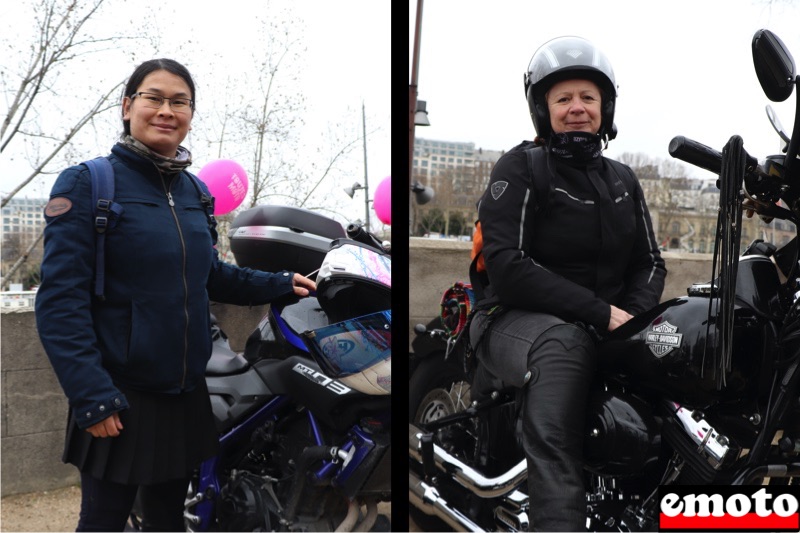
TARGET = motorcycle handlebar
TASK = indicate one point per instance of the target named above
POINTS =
(357, 233)
(705, 157)
(702, 156)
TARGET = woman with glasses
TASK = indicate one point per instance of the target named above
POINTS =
(131, 358)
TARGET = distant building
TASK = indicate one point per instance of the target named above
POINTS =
(683, 210)
(23, 222)
(24, 216)
(458, 172)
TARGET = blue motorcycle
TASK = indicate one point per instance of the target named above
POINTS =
(303, 414)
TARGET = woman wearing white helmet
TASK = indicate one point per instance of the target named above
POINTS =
(568, 255)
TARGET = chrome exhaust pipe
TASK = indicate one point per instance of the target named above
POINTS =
(427, 499)
(464, 474)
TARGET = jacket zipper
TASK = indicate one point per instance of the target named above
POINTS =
(167, 190)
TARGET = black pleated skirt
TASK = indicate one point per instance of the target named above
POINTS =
(164, 437)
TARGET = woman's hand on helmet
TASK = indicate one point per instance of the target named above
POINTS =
(302, 285)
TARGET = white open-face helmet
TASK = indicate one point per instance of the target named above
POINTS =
(354, 290)
(354, 280)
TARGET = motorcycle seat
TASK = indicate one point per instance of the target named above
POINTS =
(225, 361)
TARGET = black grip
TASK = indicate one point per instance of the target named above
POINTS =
(695, 153)
(703, 156)
(357, 233)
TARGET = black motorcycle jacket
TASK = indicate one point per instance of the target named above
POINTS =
(589, 245)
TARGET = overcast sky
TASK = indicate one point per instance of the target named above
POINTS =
(683, 67)
(346, 63)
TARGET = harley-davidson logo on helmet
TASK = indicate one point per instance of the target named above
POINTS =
(663, 338)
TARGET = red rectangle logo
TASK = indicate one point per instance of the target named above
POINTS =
(727, 508)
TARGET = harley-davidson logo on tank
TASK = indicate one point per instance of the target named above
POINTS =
(663, 338)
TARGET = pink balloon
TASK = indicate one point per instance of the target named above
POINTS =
(382, 201)
(227, 182)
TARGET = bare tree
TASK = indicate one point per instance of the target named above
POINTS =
(434, 217)
(647, 167)
(102, 104)
(260, 125)
(635, 160)
(643, 165)
(669, 168)
(256, 117)
(21, 260)
(62, 39)
(37, 86)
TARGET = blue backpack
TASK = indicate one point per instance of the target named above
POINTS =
(106, 213)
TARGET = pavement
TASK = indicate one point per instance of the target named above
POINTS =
(52, 510)
(57, 510)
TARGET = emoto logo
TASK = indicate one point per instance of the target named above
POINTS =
(750, 508)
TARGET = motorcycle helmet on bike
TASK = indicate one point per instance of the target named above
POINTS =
(566, 58)
(354, 290)
(354, 280)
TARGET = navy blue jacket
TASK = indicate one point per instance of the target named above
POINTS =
(152, 331)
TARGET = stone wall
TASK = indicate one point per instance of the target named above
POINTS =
(34, 409)
(436, 264)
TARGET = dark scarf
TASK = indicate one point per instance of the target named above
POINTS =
(578, 146)
(167, 165)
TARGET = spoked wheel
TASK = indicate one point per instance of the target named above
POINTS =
(447, 399)
(436, 389)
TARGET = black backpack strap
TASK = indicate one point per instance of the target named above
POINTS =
(105, 211)
(625, 175)
(541, 184)
(208, 204)
(540, 177)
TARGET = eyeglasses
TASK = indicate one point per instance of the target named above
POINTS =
(155, 101)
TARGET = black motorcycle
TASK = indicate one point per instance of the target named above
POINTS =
(700, 390)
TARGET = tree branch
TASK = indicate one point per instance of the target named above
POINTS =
(97, 108)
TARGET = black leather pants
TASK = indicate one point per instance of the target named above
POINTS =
(561, 360)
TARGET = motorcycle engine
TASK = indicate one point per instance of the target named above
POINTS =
(269, 488)
(702, 448)
(623, 436)
(244, 505)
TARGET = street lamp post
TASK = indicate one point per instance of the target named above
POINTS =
(356, 186)
(351, 191)
(417, 116)
(366, 183)
(412, 89)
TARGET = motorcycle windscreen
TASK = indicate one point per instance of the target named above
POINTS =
(352, 346)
